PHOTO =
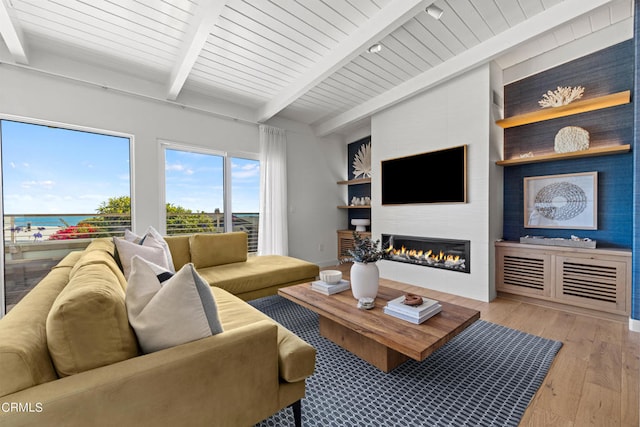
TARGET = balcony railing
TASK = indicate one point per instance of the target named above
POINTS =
(35, 243)
(214, 223)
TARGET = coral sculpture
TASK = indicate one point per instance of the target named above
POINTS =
(561, 96)
(570, 139)
(362, 162)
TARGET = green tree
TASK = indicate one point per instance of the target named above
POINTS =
(183, 221)
(116, 217)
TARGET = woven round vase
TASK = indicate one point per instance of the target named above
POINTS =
(364, 280)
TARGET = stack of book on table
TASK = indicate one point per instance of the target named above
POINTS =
(330, 288)
(412, 313)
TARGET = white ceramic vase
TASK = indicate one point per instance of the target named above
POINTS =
(364, 280)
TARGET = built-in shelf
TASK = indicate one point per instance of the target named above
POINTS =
(355, 207)
(355, 181)
(603, 151)
(576, 107)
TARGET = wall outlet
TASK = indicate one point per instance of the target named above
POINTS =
(321, 247)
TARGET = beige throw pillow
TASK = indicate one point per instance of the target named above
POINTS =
(150, 249)
(167, 310)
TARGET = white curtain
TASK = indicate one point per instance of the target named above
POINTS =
(272, 231)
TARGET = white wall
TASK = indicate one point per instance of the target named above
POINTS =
(314, 165)
(31, 94)
(455, 113)
(357, 134)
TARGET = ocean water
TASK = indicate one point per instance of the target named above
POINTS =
(45, 221)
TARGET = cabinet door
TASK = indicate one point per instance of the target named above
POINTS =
(345, 243)
(523, 272)
(592, 283)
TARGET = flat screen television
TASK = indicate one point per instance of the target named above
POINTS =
(434, 177)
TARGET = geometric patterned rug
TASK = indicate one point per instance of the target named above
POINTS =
(486, 376)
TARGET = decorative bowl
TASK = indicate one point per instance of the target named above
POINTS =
(331, 276)
(361, 224)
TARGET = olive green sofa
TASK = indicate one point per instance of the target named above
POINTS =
(68, 357)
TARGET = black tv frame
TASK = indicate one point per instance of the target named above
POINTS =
(425, 178)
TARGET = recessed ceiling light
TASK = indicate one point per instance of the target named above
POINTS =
(375, 48)
(434, 11)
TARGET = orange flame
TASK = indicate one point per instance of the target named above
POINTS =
(420, 254)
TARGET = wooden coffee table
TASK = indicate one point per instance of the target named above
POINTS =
(382, 340)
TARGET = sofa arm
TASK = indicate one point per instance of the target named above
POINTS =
(227, 379)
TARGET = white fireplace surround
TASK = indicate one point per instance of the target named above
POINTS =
(458, 112)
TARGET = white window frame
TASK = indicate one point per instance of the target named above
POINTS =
(61, 125)
(226, 192)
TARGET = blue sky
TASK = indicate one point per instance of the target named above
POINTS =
(58, 171)
(195, 181)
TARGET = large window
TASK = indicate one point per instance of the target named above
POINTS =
(60, 187)
(207, 191)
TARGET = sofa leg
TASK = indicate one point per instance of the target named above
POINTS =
(297, 412)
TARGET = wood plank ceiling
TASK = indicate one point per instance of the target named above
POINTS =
(304, 60)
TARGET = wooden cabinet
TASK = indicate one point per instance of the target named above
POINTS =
(596, 279)
(345, 242)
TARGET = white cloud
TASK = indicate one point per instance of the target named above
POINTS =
(177, 167)
(47, 184)
(249, 170)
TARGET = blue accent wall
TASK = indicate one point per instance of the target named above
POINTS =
(360, 190)
(615, 206)
(635, 289)
(607, 71)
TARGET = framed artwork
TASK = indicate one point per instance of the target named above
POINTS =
(562, 201)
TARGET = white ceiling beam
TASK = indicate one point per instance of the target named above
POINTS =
(384, 22)
(477, 55)
(205, 17)
(11, 32)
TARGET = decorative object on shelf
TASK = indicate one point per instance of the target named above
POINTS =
(573, 242)
(561, 96)
(360, 201)
(526, 155)
(362, 162)
(561, 201)
(591, 152)
(570, 139)
(364, 273)
(361, 224)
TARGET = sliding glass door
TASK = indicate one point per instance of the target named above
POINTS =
(245, 198)
(207, 191)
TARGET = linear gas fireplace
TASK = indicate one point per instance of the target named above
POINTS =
(429, 252)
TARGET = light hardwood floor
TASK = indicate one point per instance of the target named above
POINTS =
(595, 378)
